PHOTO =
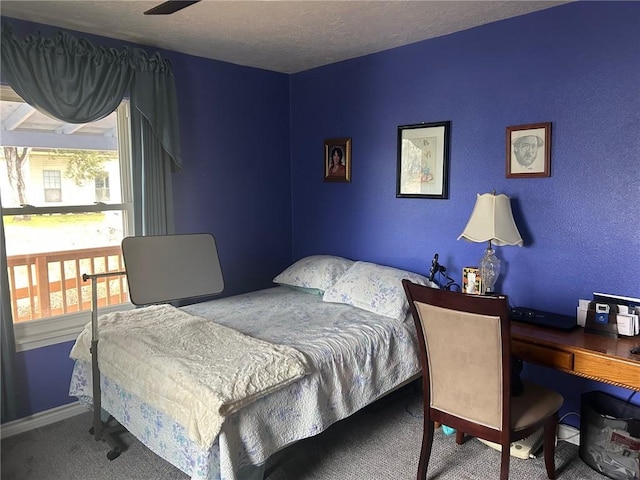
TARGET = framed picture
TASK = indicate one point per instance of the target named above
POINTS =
(337, 160)
(529, 151)
(423, 160)
(471, 280)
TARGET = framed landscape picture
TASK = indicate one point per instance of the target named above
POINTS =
(423, 160)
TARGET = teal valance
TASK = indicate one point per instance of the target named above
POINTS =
(77, 82)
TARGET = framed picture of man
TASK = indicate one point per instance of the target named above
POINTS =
(529, 151)
(337, 160)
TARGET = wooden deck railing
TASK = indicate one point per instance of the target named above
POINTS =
(48, 284)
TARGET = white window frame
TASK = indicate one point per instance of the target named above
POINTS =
(42, 332)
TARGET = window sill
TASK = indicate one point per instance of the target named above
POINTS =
(63, 328)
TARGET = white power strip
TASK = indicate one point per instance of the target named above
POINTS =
(527, 447)
(524, 448)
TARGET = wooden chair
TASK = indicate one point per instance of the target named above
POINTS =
(465, 351)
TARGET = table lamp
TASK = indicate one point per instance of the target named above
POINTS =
(491, 221)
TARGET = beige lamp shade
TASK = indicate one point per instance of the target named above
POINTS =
(492, 221)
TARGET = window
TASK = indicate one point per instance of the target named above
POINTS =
(52, 186)
(53, 239)
(102, 187)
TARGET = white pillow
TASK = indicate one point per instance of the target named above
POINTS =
(317, 272)
(375, 288)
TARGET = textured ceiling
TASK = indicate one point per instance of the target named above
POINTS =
(283, 36)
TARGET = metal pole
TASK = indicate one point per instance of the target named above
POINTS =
(97, 394)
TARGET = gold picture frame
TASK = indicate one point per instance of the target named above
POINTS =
(337, 159)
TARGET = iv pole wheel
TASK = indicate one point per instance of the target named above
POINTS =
(113, 454)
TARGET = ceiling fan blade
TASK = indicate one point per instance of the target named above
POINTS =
(169, 7)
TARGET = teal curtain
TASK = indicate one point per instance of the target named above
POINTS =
(74, 81)
(8, 347)
(153, 75)
(151, 138)
(154, 203)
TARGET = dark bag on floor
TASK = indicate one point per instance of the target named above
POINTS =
(516, 383)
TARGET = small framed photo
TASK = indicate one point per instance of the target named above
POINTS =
(423, 160)
(471, 281)
(529, 151)
(337, 160)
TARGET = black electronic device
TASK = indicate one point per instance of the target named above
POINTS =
(543, 319)
(437, 268)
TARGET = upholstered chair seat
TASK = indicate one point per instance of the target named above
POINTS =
(535, 403)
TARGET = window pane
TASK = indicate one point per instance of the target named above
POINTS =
(102, 188)
(46, 276)
(64, 211)
(51, 178)
(52, 186)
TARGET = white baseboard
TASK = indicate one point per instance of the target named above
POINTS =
(41, 419)
(569, 434)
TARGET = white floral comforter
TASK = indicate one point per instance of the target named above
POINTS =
(355, 357)
(194, 370)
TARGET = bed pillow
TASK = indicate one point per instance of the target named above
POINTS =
(317, 272)
(375, 288)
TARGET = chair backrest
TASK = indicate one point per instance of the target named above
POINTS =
(465, 352)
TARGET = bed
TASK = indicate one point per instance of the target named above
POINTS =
(348, 320)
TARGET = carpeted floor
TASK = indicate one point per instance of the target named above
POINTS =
(379, 443)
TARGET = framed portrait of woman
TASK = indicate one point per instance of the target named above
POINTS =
(337, 160)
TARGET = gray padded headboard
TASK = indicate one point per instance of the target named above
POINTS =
(166, 268)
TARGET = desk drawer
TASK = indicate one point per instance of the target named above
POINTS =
(549, 357)
(609, 370)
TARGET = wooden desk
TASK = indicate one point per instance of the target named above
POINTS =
(587, 355)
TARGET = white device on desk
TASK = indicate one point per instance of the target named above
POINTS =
(624, 311)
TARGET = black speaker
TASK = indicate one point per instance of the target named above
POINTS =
(543, 319)
(522, 313)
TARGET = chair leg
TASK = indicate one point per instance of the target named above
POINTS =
(505, 456)
(549, 445)
(459, 437)
(425, 452)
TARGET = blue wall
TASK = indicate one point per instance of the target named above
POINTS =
(577, 66)
(235, 182)
(252, 144)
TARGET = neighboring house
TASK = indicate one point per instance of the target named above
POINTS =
(50, 142)
(46, 181)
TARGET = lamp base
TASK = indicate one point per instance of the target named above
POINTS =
(489, 270)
